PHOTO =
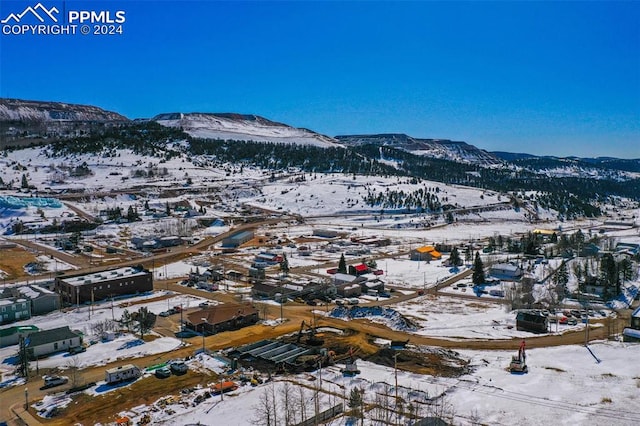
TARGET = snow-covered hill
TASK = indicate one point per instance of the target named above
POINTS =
(22, 110)
(227, 126)
(436, 148)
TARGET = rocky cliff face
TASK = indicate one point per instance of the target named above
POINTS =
(24, 122)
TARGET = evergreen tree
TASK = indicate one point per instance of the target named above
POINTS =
(168, 209)
(25, 182)
(132, 214)
(126, 320)
(609, 272)
(284, 265)
(342, 265)
(144, 320)
(562, 275)
(454, 257)
(625, 266)
(478, 271)
(467, 254)
(449, 217)
(355, 398)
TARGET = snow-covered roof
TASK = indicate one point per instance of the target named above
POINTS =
(505, 267)
(104, 276)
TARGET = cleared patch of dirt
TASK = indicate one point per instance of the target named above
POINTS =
(12, 262)
(433, 361)
(86, 409)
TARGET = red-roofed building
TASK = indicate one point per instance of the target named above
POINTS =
(358, 270)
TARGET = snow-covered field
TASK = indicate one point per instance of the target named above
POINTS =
(564, 386)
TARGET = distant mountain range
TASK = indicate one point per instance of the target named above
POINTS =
(24, 122)
(435, 148)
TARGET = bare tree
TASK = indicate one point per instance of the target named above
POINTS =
(303, 400)
(73, 366)
(99, 328)
(286, 401)
(474, 417)
(264, 410)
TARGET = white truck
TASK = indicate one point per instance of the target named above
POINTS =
(122, 373)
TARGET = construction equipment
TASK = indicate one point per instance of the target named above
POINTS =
(311, 339)
(518, 363)
(351, 368)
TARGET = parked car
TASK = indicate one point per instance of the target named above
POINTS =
(178, 367)
(53, 381)
(204, 305)
(163, 373)
(165, 313)
(77, 349)
(572, 321)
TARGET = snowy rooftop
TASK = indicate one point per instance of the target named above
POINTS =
(104, 276)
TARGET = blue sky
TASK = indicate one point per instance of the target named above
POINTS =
(551, 78)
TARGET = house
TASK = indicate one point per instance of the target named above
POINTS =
(228, 316)
(632, 333)
(256, 274)
(14, 309)
(170, 241)
(339, 279)
(546, 234)
(427, 253)
(11, 335)
(77, 289)
(630, 248)
(235, 275)
(349, 290)
(506, 271)
(269, 258)
(41, 300)
(46, 342)
(589, 250)
(376, 285)
(325, 233)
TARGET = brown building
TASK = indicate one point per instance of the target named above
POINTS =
(228, 316)
(103, 285)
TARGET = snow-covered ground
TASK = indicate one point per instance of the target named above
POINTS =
(564, 386)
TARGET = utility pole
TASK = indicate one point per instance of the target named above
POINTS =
(395, 368)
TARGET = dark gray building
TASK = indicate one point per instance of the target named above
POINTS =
(103, 285)
(237, 239)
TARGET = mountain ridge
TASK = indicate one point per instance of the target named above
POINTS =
(29, 122)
